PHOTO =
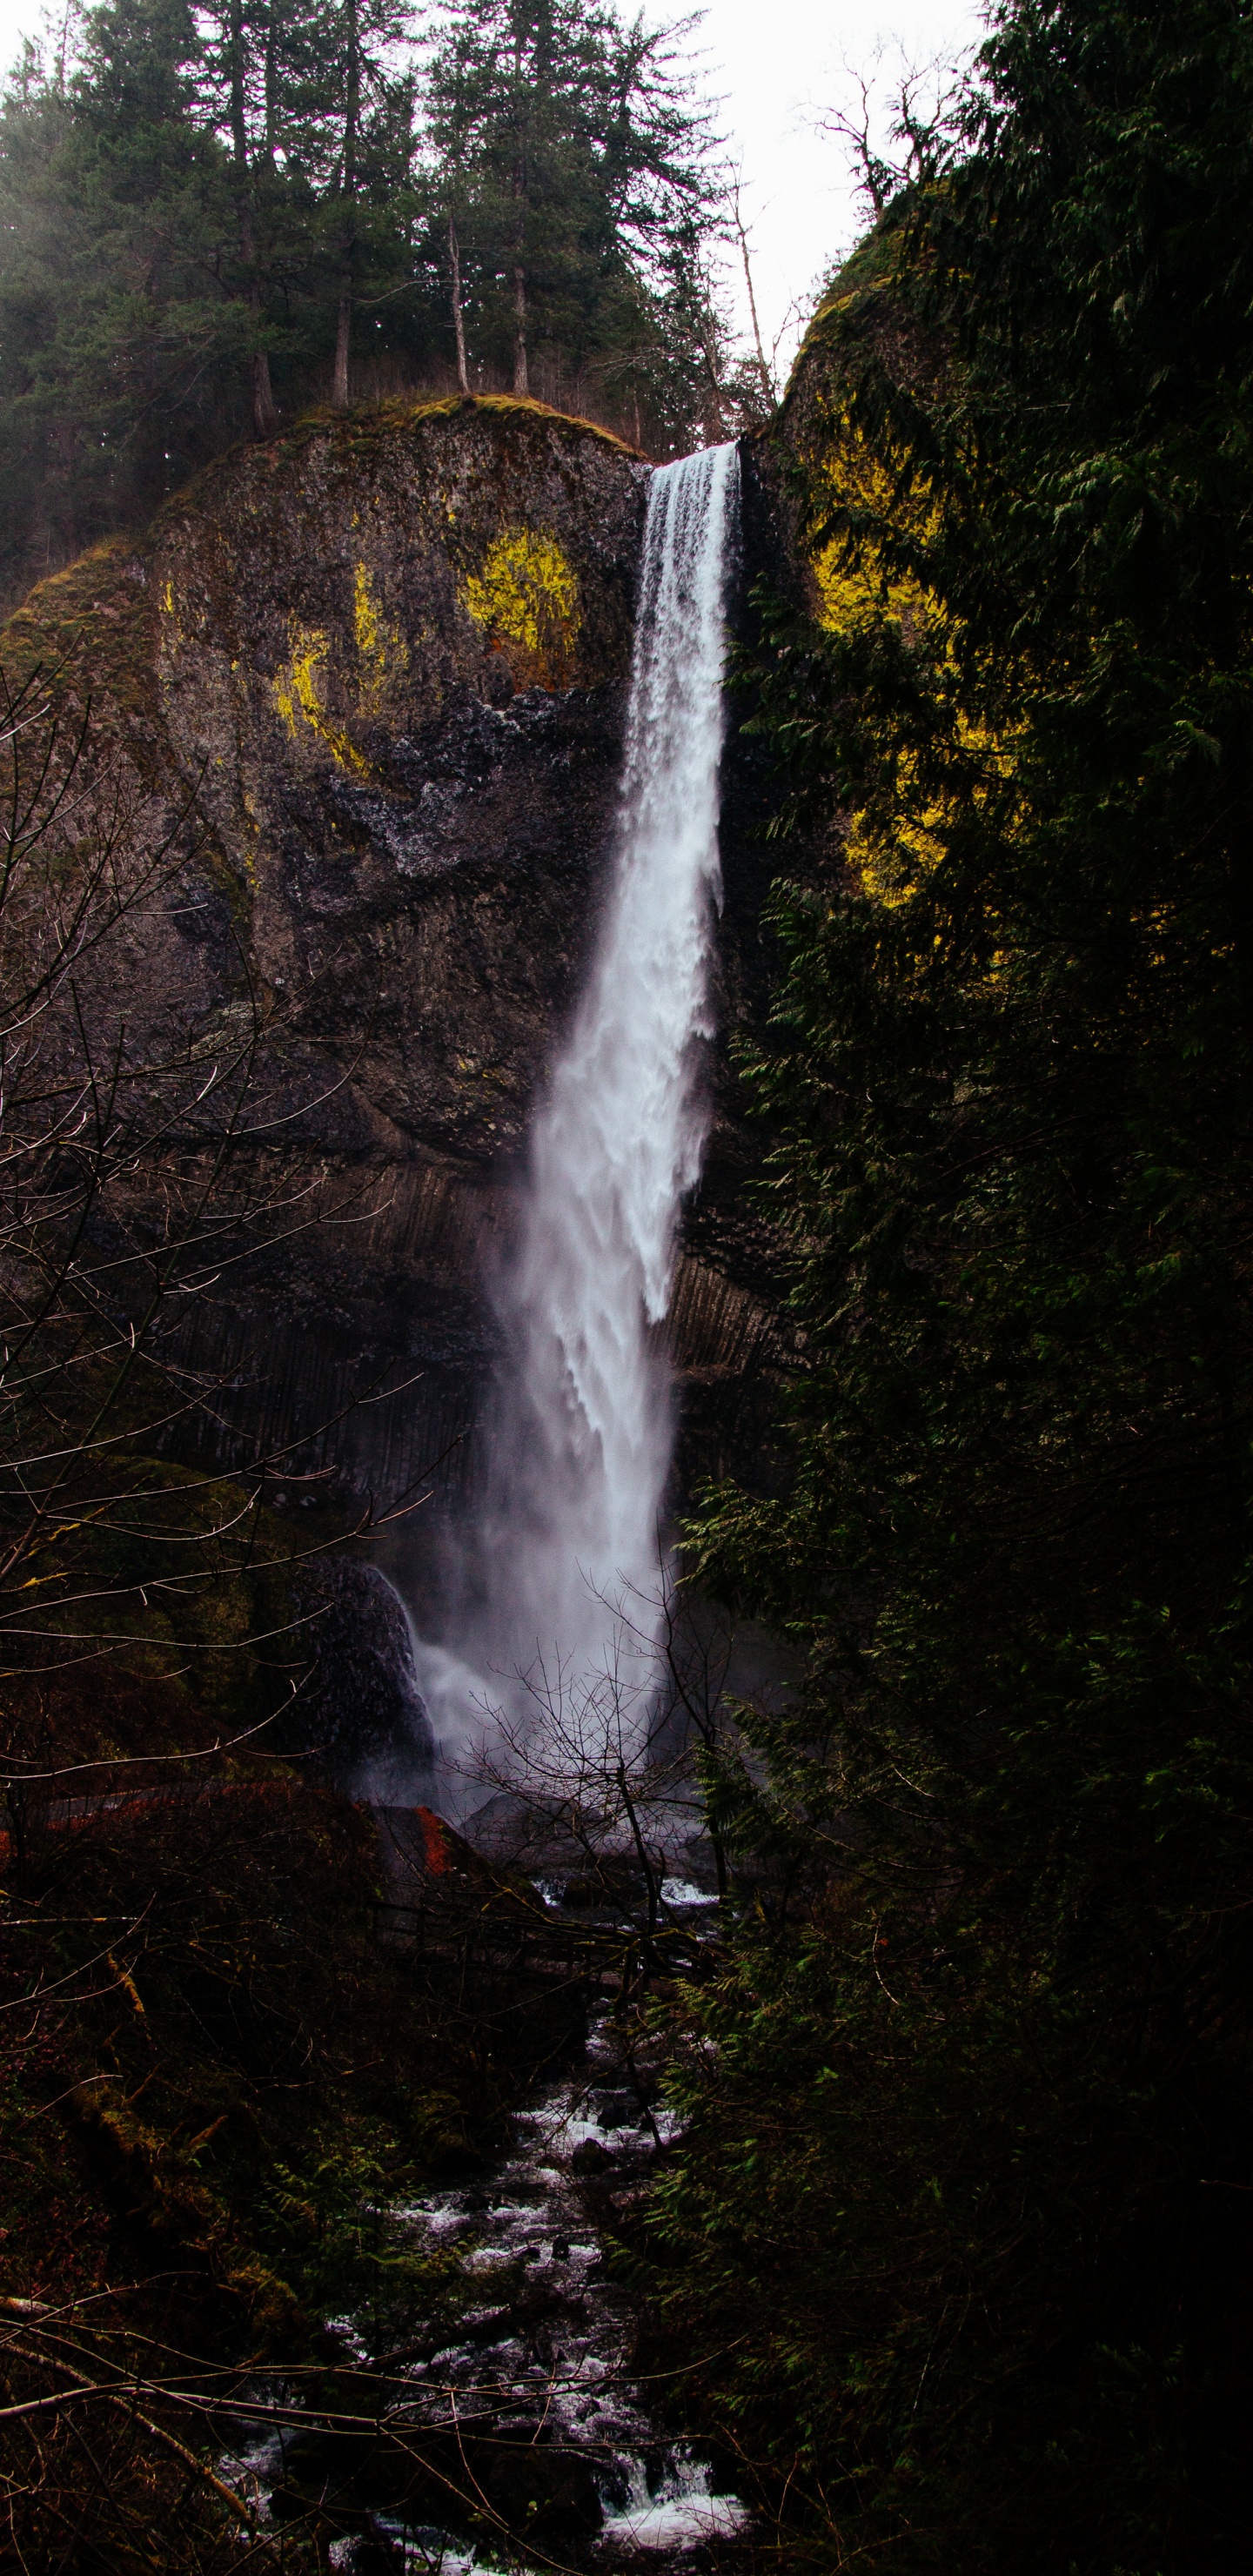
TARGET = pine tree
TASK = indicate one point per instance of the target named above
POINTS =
(112, 246)
(188, 219)
(965, 2197)
(574, 162)
(214, 215)
(373, 155)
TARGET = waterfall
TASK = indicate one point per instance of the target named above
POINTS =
(563, 1557)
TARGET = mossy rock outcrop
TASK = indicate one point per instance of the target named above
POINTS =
(373, 675)
(382, 661)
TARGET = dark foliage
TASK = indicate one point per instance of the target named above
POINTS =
(214, 2073)
(216, 2079)
(968, 2195)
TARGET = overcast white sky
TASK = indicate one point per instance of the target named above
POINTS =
(773, 64)
(777, 64)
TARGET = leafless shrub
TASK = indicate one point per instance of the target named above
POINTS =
(594, 1776)
(133, 1180)
(147, 1635)
(898, 122)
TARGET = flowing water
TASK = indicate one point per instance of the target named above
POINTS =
(559, 1572)
(540, 2358)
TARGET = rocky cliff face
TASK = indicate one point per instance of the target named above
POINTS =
(373, 676)
(391, 656)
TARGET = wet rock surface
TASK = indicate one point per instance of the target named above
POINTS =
(370, 677)
(358, 1714)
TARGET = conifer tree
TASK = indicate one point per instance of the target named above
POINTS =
(182, 214)
(966, 2197)
(574, 162)
(210, 216)
(368, 96)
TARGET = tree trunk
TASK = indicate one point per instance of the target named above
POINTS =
(343, 337)
(520, 381)
(271, 87)
(715, 423)
(767, 381)
(264, 407)
(458, 323)
(352, 102)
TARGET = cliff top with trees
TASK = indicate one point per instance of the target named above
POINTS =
(212, 218)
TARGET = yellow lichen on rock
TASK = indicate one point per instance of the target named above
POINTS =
(527, 599)
(897, 839)
(297, 695)
(379, 648)
(852, 582)
(886, 848)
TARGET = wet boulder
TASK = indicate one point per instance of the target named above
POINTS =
(590, 2160)
(358, 1713)
(538, 2487)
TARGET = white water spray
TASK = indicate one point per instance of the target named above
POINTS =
(567, 1534)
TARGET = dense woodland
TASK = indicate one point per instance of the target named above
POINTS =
(212, 218)
(967, 2194)
(956, 2246)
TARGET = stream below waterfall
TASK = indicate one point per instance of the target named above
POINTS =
(522, 2439)
(553, 2431)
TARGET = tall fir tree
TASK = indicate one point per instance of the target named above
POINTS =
(576, 165)
(963, 2216)
(212, 217)
(184, 213)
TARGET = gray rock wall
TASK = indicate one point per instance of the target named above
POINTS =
(372, 675)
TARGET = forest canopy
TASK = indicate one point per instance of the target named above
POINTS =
(212, 217)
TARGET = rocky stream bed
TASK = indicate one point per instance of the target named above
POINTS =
(522, 2439)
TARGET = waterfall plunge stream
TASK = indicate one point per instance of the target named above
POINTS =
(560, 1572)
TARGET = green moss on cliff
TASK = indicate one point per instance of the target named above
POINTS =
(93, 621)
(303, 604)
(355, 435)
(89, 627)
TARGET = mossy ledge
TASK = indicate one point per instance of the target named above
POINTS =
(90, 623)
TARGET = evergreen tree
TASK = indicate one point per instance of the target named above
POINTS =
(965, 2203)
(215, 214)
(576, 169)
(175, 230)
(113, 250)
(371, 105)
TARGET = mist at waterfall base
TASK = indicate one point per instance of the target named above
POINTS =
(555, 1575)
